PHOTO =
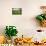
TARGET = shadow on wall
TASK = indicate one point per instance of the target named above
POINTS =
(34, 22)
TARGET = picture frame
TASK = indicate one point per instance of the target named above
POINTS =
(16, 11)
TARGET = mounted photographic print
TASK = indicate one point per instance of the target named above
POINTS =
(16, 11)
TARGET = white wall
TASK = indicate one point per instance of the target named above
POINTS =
(25, 23)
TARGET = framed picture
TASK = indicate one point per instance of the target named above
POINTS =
(16, 11)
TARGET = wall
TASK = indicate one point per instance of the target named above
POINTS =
(25, 23)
